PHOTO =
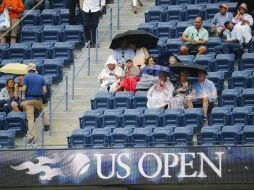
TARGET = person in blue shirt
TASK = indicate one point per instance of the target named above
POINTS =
(34, 87)
(203, 91)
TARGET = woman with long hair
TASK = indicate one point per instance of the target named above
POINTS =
(7, 92)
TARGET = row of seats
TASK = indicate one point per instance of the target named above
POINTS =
(186, 2)
(165, 13)
(126, 137)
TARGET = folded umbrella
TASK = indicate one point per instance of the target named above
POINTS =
(193, 69)
(14, 68)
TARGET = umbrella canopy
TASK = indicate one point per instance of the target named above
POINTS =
(192, 68)
(155, 70)
(14, 68)
(140, 38)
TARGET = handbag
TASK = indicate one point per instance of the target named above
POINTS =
(5, 20)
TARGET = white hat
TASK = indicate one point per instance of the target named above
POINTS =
(111, 60)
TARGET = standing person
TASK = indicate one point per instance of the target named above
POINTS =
(15, 8)
(34, 87)
(134, 3)
(91, 11)
(72, 8)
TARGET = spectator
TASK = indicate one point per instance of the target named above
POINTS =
(150, 61)
(233, 41)
(130, 69)
(182, 90)
(220, 18)
(72, 11)
(34, 87)
(195, 38)
(91, 11)
(123, 53)
(160, 93)
(15, 8)
(18, 104)
(203, 92)
(111, 75)
(7, 93)
(134, 3)
(29, 4)
(141, 54)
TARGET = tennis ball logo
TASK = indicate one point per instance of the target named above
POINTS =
(76, 165)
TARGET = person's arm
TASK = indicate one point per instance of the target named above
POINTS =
(16, 88)
(150, 92)
(19, 8)
(81, 4)
(214, 21)
(44, 87)
(234, 20)
(146, 53)
(2, 6)
(248, 20)
(204, 40)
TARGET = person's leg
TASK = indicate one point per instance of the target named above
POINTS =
(202, 50)
(86, 23)
(184, 50)
(134, 4)
(190, 102)
(72, 7)
(140, 3)
(39, 106)
(218, 49)
(205, 106)
(46, 4)
(15, 106)
(3, 39)
(30, 117)
(94, 22)
(14, 31)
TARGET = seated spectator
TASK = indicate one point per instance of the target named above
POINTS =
(111, 75)
(124, 53)
(203, 92)
(233, 41)
(182, 90)
(7, 93)
(195, 38)
(244, 21)
(167, 59)
(219, 19)
(29, 4)
(18, 104)
(15, 8)
(141, 54)
(159, 94)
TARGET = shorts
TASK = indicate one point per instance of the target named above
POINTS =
(14, 31)
(193, 47)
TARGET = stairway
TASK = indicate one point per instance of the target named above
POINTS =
(63, 122)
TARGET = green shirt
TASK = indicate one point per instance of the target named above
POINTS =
(193, 34)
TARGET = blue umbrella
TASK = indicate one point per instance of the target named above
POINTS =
(155, 70)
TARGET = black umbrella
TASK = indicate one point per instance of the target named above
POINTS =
(140, 38)
(192, 68)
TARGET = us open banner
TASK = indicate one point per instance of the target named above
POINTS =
(176, 165)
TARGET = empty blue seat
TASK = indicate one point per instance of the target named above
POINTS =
(230, 97)
(132, 118)
(2, 120)
(231, 135)
(209, 135)
(31, 34)
(50, 16)
(225, 63)
(166, 29)
(100, 138)
(248, 135)
(64, 50)
(240, 79)
(192, 11)
(53, 68)
(152, 117)
(211, 10)
(80, 138)
(141, 137)
(163, 2)
(220, 115)
(173, 45)
(4, 51)
(218, 80)
(64, 16)
(140, 99)
(247, 97)
(212, 43)
(120, 137)
(7, 61)
(19, 50)
(31, 17)
(52, 33)
(91, 119)
(241, 115)
(193, 116)
(17, 121)
(183, 2)
(123, 100)
(182, 136)
(7, 139)
(149, 27)
(173, 117)
(205, 61)
(162, 137)
(175, 12)
(247, 62)
(180, 28)
(102, 100)
(41, 50)
(112, 118)
(156, 13)
(186, 58)
(73, 33)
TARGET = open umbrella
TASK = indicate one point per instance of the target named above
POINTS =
(155, 70)
(140, 38)
(14, 68)
(192, 68)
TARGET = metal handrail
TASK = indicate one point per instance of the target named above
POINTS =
(119, 7)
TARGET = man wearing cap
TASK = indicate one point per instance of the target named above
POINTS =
(203, 91)
(220, 18)
(34, 87)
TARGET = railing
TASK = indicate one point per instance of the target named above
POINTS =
(102, 26)
(120, 4)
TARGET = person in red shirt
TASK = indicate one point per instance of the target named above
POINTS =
(15, 7)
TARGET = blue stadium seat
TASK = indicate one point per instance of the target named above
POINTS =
(231, 135)
(225, 63)
(212, 43)
(192, 11)
(247, 97)
(205, 61)
(163, 2)
(7, 139)
(64, 16)
(17, 121)
(209, 135)
(100, 138)
(248, 135)
(52, 33)
(140, 99)
(230, 97)
(160, 48)
(186, 58)
(182, 136)
(102, 100)
(53, 68)
(202, 1)
(31, 34)
(193, 116)
(173, 45)
(91, 119)
(7, 61)
(123, 100)
(240, 79)
(73, 33)
(149, 27)
(156, 14)
(211, 10)
(152, 117)
(162, 137)
(175, 12)
(120, 138)
(218, 80)
(241, 115)
(141, 137)
(180, 28)
(220, 115)
(37, 62)
(41, 50)
(132, 118)
(19, 50)
(2, 120)
(80, 138)
(166, 29)
(207, 26)
(112, 118)
(50, 16)
(247, 62)
(4, 51)
(183, 2)
(173, 117)
(59, 4)
(64, 50)
(33, 18)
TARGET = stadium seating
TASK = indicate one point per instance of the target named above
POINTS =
(230, 97)
(152, 117)
(140, 99)
(231, 135)
(7, 139)
(132, 118)
(173, 45)
(64, 16)
(112, 119)
(218, 79)
(141, 137)
(149, 27)
(41, 50)
(121, 137)
(242, 115)
(31, 33)
(205, 61)
(73, 33)
(220, 115)
(186, 58)
(19, 50)
(100, 138)
(52, 33)
(193, 116)
(166, 29)
(50, 16)
(162, 137)
(173, 117)
(3, 51)
(53, 68)
(91, 119)
(32, 17)
(247, 97)
(181, 26)
(225, 63)
(182, 136)
(80, 138)
(248, 135)
(247, 62)
(209, 135)
(2, 120)
(174, 12)
(156, 14)
(192, 11)
(64, 50)
(17, 121)
(102, 100)
(213, 42)
(240, 79)
(123, 100)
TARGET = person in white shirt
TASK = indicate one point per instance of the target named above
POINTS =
(91, 11)
(111, 75)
